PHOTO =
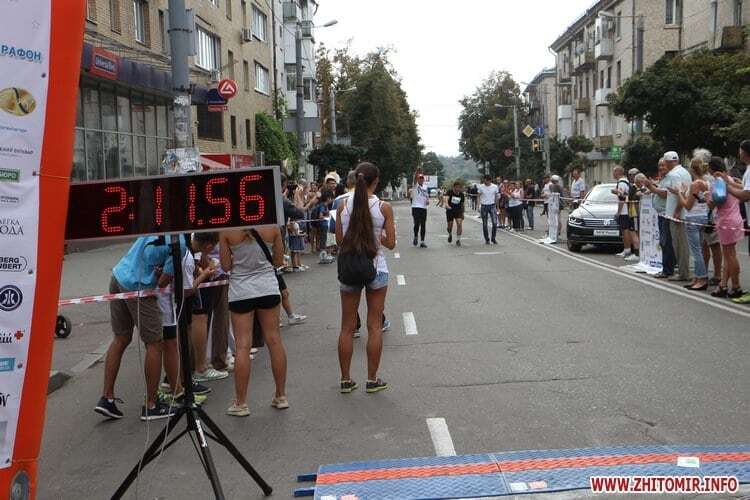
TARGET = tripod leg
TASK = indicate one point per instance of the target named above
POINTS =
(194, 421)
(153, 451)
(223, 440)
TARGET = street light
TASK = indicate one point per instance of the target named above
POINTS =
(300, 116)
(515, 135)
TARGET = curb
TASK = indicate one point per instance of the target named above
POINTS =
(57, 379)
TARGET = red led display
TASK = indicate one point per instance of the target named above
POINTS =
(175, 204)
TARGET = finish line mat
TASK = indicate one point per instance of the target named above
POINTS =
(518, 472)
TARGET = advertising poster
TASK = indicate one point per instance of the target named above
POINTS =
(24, 68)
(650, 258)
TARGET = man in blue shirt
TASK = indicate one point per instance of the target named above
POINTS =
(146, 266)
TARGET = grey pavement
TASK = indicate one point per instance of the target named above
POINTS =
(517, 347)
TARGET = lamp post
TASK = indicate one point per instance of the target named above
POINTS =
(547, 158)
(515, 136)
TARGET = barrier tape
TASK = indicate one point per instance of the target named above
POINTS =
(131, 295)
(715, 226)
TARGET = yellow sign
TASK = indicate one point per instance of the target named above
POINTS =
(528, 131)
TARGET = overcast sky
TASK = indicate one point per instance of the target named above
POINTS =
(444, 49)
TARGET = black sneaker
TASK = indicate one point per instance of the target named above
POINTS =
(458, 243)
(494, 242)
(159, 411)
(376, 386)
(423, 245)
(450, 237)
(415, 242)
(347, 386)
(487, 242)
(200, 389)
(109, 408)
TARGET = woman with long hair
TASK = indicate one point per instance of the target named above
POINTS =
(254, 291)
(729, 228)
(693, 199)
(366, 226)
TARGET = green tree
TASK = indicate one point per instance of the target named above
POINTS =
(580, 144)
(698, 100)
(271, 139)
(643, 153)
(432, 165)
(336, 157)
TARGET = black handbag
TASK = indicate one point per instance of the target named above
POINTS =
(355, 269)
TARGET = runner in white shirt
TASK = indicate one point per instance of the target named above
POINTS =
(420, 200)
(488, 193)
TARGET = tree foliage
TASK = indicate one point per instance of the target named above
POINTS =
(374, 111)
(643, 153)
(336, 157)
(271, 139)
(698, 100)
(432, 165)
(580, 144)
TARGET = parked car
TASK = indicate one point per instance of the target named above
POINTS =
(594, 221)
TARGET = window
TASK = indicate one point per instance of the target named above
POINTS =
(618, 25)
(601, 79)
(230, 64)
(210, 124)
(229, 9)
(309, 89)
(233, 130)
(114, 16)
(243, 8)
(619, 74)
(208, 50)
(259, 24)
(673, 12)
(587, 86)
(262, 80)
(140, 21)
(291, 77)
(248, 134)
(246, 75)
(91, 10)
(163, 32)
(609, 77)
(737, 11)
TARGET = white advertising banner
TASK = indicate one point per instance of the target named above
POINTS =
(24, 65)
(650, 258)
(553, 219)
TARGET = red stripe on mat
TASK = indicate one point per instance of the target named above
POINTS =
(522, 465)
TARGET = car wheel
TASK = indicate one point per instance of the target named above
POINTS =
(574, 247)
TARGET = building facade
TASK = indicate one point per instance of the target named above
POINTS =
(124, 122)
(614, 40)
(540, 95)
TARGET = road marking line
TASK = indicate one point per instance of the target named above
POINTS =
(396, 255)
(401, 280)
(410, 324)
(625, 274)
(441, 437)
(486, 253)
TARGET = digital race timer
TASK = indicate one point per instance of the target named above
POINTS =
(175, 204)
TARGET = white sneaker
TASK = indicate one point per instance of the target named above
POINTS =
(210, 375)
(356, 334)
(296, 319)
(624, 253)
(236, 410)
(254, 350)
(632, 258)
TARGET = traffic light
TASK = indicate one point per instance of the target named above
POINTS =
(536, 145)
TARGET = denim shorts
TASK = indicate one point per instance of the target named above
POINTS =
(380, 281)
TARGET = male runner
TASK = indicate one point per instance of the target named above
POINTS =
(420, 200)
(454, 210)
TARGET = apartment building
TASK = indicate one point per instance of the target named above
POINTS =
(297, 15)
(615, 39)
(540, 95)
(124, 121)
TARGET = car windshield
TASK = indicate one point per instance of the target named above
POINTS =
(602, 194)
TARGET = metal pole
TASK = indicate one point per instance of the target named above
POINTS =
(300, 103)
(515, 136)
(179, 41)
(548, 164)
(334, 134)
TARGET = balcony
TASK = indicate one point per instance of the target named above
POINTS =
(564, 112)
(604, 142)
(600, 97)
(292, 12)
(583, 62)
(307, 29)
(583, 105)
(605, 49)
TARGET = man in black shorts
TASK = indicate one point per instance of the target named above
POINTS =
(454, 210)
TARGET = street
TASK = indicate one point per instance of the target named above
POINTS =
(517, 347)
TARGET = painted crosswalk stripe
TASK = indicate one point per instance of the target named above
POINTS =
(401, 280)
(441, 437)
(410, 324)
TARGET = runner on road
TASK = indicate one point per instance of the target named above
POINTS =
(488, 193)
(420, 200)
(454, 210)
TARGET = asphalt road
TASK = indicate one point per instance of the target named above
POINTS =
(517, 346)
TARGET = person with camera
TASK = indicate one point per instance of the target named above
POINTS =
(366, 226)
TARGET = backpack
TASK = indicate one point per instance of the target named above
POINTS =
(355, 269)
(719, 192)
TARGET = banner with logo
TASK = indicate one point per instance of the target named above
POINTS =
(24, 67)
(650, 258)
